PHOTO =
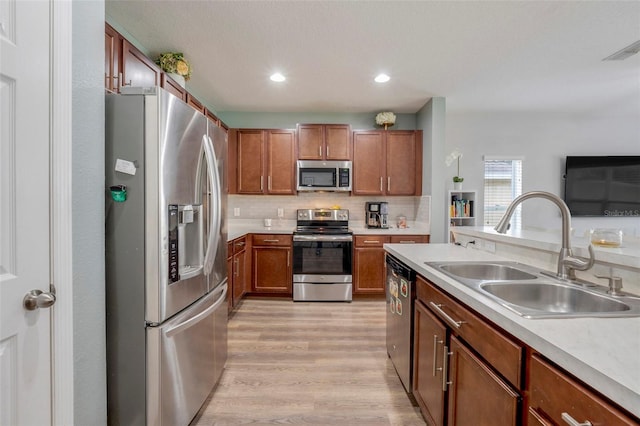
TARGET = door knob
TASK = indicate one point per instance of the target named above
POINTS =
(38, 299)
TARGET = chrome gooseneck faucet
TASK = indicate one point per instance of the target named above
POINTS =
(567, 263)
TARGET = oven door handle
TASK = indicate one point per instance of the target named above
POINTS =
(322, 238)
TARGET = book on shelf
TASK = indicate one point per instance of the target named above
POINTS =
(460, 207)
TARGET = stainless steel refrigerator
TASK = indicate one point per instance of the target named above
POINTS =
(166, 258)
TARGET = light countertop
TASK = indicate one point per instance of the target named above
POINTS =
(602, 352)
(239, 227)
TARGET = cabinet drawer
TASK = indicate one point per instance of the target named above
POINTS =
(500, 351)
(271, 240)
(409, 239)
(552, 393)
(229, 249)
(239, 244)
(370, 240)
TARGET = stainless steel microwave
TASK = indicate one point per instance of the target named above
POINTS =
(318, 175)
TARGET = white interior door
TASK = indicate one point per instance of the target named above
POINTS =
(25, 337)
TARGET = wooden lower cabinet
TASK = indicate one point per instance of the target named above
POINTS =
(429, 341)
(368, 264)
(271, 263)
(555, 398)
(238, 271)
(477, 395)
(457, 377)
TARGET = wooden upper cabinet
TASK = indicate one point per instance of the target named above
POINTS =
(369, 163)
(387, 162)
(112, 58)
(137, 69)
(211, 116)
(172, 87)
(281, 162)
(324, 141)
(194, 103)
(250, 160)
(404, 172)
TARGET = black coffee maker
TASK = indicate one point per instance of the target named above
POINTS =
(376, 214)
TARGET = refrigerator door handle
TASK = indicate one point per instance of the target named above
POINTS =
(192, 321)
(215, 208)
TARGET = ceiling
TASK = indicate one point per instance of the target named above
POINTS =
(479, 55)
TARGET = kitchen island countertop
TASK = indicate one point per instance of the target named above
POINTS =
(602, 352)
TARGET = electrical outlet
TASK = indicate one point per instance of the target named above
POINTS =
(236, 211)
(490, 246)
(280, 212)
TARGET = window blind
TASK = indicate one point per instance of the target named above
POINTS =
(502, 183)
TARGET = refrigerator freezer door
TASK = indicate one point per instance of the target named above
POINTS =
(182, 365)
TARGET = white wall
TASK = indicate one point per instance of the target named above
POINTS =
(89, 376)
(544, 140)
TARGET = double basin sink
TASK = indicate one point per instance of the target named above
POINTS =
(534, 294)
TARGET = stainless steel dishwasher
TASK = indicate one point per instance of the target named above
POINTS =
(400, 293)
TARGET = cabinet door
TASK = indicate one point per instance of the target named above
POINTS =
(172, 87)
(368, 167)
(477, 396)
(230, 281)
(250, 154)
(112, 53)
(337, 139)
(368, 270)
(238, 276)
(556, 394)
(137, 69)
(409, 239)
(310, 138)
(402, 154)
(281, 162)
(272, 269)
(194, 103)
(429, 342)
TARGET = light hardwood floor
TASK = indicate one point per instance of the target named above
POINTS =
(308, 364)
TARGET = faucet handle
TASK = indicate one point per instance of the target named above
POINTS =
(580, 263)
(615, 284)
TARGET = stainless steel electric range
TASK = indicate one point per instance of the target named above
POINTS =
(322, 256)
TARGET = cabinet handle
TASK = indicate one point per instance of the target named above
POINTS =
(320, 151)
(371, 241)
(269, 182)
(388, 184)
(380, 183)
(271, 241)
(573, 422)
(443, 314)
(261, 179)
(445, 368)
(236, 262)
(407, 242)
(327, 151)
(287, 259)
(240, 244)
(435, 353)
(120, 83)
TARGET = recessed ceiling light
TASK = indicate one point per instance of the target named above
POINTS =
(382, 78)
(277, 77)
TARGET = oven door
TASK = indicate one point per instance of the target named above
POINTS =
(322, 255)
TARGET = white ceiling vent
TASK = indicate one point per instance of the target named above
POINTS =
(630, 50)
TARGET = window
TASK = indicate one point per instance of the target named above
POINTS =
(502, 183)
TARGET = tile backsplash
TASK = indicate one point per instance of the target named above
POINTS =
(265, 206)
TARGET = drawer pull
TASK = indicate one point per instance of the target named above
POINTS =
(443, 314)
(241, 244)
(371, 241)
(407, 242)
(573, 422)
(271, 241)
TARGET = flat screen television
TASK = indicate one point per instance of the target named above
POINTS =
(603, 186)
